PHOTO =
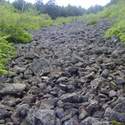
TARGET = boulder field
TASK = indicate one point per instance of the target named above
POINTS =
(67, 75)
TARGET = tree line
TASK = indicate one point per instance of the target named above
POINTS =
(52, 9)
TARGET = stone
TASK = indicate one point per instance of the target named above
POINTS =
(73, 98)
(14, 88)
(89, 121)
(59, 113)
(93, 107)
(41, 117)
(22, 110)
(67, 88)
(40, 66)
(120, 107)
(105, 73)
(19, 69)
(112, 93)
(82, 113)
(102, 123)
(120, 81)
(95, 83)
(120, 117)
(98, 114)
(28, 99)
(3, 113)
(71, 122)
(61, 79)
(90, 76)
(73, 71)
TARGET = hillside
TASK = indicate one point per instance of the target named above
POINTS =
(14, 27)
(115, 13)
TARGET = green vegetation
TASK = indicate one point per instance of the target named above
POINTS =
(7, 51)
(113, 12)
(14, 27)
(116, 123)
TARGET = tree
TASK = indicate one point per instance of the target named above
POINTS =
(94, 9)
(20, 5)
(40, 6)
(51, 2)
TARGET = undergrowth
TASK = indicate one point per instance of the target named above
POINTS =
(14, 28)
(115, 13)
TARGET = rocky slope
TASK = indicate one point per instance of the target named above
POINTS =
(68, 75)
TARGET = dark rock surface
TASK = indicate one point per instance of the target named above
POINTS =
(68, 75)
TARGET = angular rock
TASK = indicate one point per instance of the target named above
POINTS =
(89, 121)
(71, 122)
(112, 93)
(67, 88)
(73, 98)
(4, 113)
(120, 81)
(41, 117)
(95, 83)
(22, 110)
(105, 73)
(82, 113)
(12, 88)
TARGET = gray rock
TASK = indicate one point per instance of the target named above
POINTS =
(112, 93)
(120, 81)
(40, 65)
(93, 107)
(59, 113)
(105, 73)
(89, 121)
(82, 113)
(67, 88)
(120, 107)
(41, 117)
(3, 113)
(120, 117)
(19, 69)
(62, 79)
(22, 110)
(73, 98)
(12, 88)
(73, 71)
(102, 123)
(95, 83)
(71, 122)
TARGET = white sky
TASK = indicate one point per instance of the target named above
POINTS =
(83, 3)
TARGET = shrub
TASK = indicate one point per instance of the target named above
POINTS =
(14, 28)
(7, 51)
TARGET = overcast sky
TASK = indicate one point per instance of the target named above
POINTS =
(83, 3)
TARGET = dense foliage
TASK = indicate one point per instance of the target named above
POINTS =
(7, 51)
(14, 27)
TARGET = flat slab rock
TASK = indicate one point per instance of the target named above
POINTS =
(14, 88)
